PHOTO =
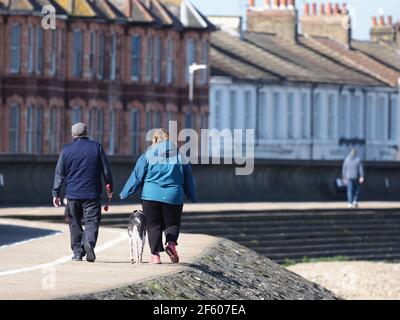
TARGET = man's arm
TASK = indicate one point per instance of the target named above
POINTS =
(344, 169)
(59, 177)
(361, 172)
(106, 168)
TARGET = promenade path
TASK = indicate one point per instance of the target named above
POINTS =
(42, 268)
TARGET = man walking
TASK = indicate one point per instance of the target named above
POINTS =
(353, 177)
(81, 165)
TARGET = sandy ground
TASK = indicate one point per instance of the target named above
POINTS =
(354, 280)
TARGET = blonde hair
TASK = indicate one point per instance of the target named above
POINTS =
(159, 135)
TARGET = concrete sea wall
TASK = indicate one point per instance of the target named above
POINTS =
(28, 181)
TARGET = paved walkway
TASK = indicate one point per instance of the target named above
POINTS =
(42, 268)
(210, 207)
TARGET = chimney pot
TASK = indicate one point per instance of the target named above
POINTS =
(374, 21)
(282, 4)
(276, 4)
(382, 20)
(291, 4)
(322, 9)
(306, 9)
(329, 9)
(390, 20)
(267, 4)
(337, 9)
(252, 3)
(344, 9)
(314, 9)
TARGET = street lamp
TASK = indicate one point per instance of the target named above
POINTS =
(192, 69)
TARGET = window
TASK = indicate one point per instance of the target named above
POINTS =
(135, 58)
(157, 119)
(248, 106)
(112, 131)
(100, 72)
(204, 121)
(15, 48)
(39, 50)
(92, 53)
(355, 120)
(149, 58)
(290, 115)
(305, 132)
(317, 116)
(370, 117)
(343, 108)
(30, 49)
(277, 115)
(53, 53)
(170, 61)
(96, 125)
(190, 56)
(262, 116)
(233, 109)
(157, 59)
(331, 117)
(14, 129)
(218, 109)
(394, 118)
(113, 57)
(76, 115)
(53, 131)
(29, 130)
(135, 132)
(39, 130)
(149, 124)
(204, 60)
(77, 59)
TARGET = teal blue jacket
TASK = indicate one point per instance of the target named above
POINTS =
(163, 175)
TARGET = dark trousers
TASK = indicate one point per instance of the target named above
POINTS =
(90, 211)
(353, 190)
(162, 217)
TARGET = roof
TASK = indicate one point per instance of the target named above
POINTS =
(312, 60)
(163, 13)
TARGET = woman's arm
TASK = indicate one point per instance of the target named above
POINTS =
(136, 179)
(189, 187)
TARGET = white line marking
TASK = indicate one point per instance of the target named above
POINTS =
(123, 236)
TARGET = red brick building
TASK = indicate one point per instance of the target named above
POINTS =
(118, 65)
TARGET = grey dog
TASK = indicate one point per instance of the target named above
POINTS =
(137, 236)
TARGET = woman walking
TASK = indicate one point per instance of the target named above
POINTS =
(165, 177)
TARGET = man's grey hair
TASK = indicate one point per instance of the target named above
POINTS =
(79, 130)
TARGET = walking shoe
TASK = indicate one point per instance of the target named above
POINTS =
(90, 255)
(349, 205)
(77, 257)
(155, 259)
(170, 249)
(355, 204)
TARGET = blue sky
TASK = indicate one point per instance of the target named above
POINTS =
(361, 10)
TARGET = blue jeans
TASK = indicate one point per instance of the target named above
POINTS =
(353, 190)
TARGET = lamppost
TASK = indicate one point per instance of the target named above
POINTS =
(192, 69)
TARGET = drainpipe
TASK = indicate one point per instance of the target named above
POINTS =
(257, 127)
(312, 122)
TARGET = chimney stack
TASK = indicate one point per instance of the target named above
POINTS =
(279, 18)
(252, 3)
(330, 22)
(383, 30)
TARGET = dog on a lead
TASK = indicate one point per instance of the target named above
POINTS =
(137, 236)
